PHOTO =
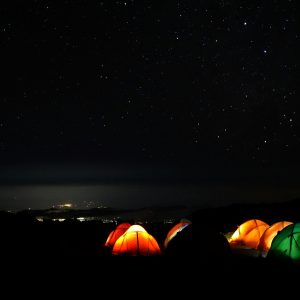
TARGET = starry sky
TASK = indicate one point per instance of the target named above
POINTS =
(136, 84)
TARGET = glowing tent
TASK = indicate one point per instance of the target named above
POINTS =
(115, 234)
(248, 234)
(270, 233)
(136, 242)
(174, 230)
(286, 243)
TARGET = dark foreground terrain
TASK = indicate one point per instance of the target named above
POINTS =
(73, 252)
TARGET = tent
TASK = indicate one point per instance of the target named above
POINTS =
(248, 234)
(286, 243)
(136, 242)
(198, 242)
(270, 233)
(174, 230)
(115, 234)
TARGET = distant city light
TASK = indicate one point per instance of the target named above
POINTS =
(63, 205)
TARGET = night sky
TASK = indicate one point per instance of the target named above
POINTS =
(177, 90)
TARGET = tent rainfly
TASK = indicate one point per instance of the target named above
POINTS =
(174, 230)
(270, 233)
(286, 243)
(115, 234)
(136, 241)
(248, 234)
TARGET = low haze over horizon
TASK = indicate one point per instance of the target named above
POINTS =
(43, 186)
(131, 196)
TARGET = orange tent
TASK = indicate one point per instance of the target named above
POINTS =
(270, 233)
(115, 234)
(248, 234)
(174, 230)
(136, 241)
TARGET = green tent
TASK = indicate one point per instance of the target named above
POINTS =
(286, 243)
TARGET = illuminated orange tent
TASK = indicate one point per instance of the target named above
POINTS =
(270, 233)
(248, 234)
(174, 230)
(136, 241)
(115, 234)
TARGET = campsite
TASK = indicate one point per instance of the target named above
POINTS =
(218, 240)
